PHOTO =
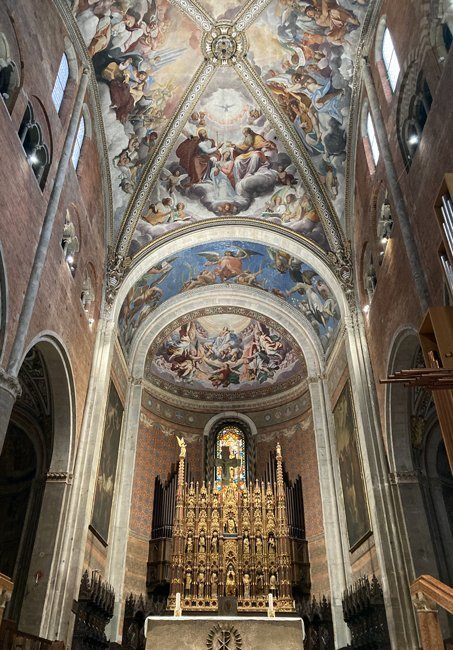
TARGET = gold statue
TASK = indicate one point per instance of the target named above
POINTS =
(182, 446)
(230, 584)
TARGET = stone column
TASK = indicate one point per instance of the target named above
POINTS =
(60, 619)
(122, 505)
(336, 545)
(395, 581)
(10, 390)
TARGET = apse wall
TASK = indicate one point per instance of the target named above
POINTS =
(157, 453)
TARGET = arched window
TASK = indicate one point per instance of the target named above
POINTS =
(230, 457)
(413, 109)
(78, 142)
(371, 134)
(390, 59)
(30, 135)
(9, 74)
(60, 83)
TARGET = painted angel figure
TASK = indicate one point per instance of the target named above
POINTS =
(172, 180)
(228, 265)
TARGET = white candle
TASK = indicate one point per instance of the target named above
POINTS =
(271, 603)
(178, 601)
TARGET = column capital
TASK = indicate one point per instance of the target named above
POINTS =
(10, 383)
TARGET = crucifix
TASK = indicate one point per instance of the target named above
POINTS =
(226, 464)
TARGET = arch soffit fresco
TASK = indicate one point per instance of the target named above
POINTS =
(242, 22)
(204, 239)
(227, 232)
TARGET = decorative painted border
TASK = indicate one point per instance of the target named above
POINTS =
(195, 13)
(250, 13)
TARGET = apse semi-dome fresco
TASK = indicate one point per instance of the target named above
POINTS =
(225, 352)
(238, 263)
(216, 109)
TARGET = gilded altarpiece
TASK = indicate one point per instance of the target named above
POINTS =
(231, 541)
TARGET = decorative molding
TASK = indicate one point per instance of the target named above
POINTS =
(316, 379)
(196, 406)
(398, 478)
(250, 13)
(195, 13)
(59, 477)
(223, 45)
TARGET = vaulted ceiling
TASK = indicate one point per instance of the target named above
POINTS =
(217, 113)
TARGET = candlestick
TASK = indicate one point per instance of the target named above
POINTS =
(178, 610)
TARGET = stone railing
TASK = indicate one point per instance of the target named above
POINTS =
(427, 594)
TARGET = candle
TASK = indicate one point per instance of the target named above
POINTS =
(271, 604)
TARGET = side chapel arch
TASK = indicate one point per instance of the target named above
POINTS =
(406, 433)
(45, 415)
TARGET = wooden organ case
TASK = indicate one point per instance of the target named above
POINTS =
(242, 543)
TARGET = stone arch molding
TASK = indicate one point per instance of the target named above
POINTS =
(59, 370)
(402, 355)
(229, 414)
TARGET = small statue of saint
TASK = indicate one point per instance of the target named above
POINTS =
(188, 582)
(202, 543)
(230, 583)
(200, 581)
(246, 583)
(273, 584)
(215, 542)
(259, 583)
(189, 543)
(246, 544)
(271, 543)
(214, 583)
(230, 526)
(259, 545)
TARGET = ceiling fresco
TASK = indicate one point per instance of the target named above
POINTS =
(224, 353)
(234, 262)
(155, 63)
(142, 73)
(228, 161)
(224, 10)
(304, 52)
